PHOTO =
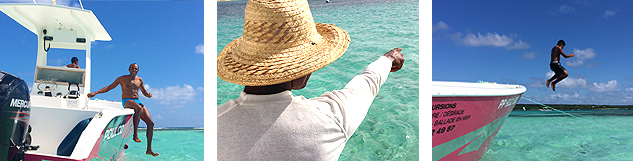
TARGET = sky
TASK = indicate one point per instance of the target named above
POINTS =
(165, 38)
(509, 42)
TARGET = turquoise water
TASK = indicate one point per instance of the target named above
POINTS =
(551, 135)
(390, 130)
(172, 145)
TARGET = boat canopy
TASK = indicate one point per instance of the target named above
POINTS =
(457, 89)
(59, 27)
(36, 17)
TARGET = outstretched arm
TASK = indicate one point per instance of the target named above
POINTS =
(349, 106)
(145, 93)
(105, 89)
(565, 55)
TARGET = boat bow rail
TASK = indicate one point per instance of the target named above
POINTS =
(456, 89)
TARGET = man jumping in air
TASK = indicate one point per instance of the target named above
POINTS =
(554, 65)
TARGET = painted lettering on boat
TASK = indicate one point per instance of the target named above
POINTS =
(446, 116)
(443, 130)
(19, 103)
(451, 120)
(444, 106)
(113, 132)
(508, 102)
(449, 128)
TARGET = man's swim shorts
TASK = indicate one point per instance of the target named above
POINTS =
(135, 100)
(556, 67)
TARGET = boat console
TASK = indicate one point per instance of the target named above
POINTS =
(58, 82)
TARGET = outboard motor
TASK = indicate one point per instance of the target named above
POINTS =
(14, 116)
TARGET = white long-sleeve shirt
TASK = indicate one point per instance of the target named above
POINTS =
(284, 127)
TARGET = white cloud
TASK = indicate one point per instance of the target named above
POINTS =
(530, 55)
(581, 57)
(159, 117)
(577, 83)
(605, 87)
(57, 62)
(440, 26)
(566, 9)
(608, 13)
(174, 96)
(572, 83)
(200, 49)
(487, 40)
(518, 45)
(557, 96)
(490, 39)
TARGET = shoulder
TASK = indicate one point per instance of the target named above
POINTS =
(123, 77)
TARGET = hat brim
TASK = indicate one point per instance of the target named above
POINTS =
(250, 69)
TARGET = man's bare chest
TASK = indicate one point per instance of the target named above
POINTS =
(132, 84)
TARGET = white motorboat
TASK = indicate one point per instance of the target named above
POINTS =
(467, 116)
(64, 122)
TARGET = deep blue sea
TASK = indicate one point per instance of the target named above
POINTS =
(551, 135)
(390, 130)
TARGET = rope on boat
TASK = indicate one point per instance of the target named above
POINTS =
(86, 103)
(565, 113)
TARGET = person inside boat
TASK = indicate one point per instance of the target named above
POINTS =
(74, 63)
(130, 84)
(266, 122)
(554, 65)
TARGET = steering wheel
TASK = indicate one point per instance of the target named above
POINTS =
(48, 84)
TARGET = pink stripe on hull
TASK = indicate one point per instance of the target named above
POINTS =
(455, 117)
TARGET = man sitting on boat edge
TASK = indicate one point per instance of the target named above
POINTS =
(130, 84)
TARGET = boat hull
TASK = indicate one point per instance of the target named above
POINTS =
(465, 125)
(105, 132)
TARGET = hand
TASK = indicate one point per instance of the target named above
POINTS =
(150, 95)
(90, 95)
(572, 54)
(397, 59)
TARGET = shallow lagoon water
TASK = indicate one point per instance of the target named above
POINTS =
(390, 129)
(172, 145)
(551, 135)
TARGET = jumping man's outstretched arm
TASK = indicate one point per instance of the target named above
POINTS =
(565, 55)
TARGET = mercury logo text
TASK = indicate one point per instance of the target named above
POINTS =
(19, 103)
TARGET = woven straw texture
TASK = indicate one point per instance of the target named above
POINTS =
(280, 43)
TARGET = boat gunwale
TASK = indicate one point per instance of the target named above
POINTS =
(456, 89)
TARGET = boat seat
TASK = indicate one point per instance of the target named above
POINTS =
(67, 145)
(72, 93)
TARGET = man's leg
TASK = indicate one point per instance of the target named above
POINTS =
(550, 80)
(150, 130)
(137, 115)
(560, 78)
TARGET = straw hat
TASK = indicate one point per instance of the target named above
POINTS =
(280, 42)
